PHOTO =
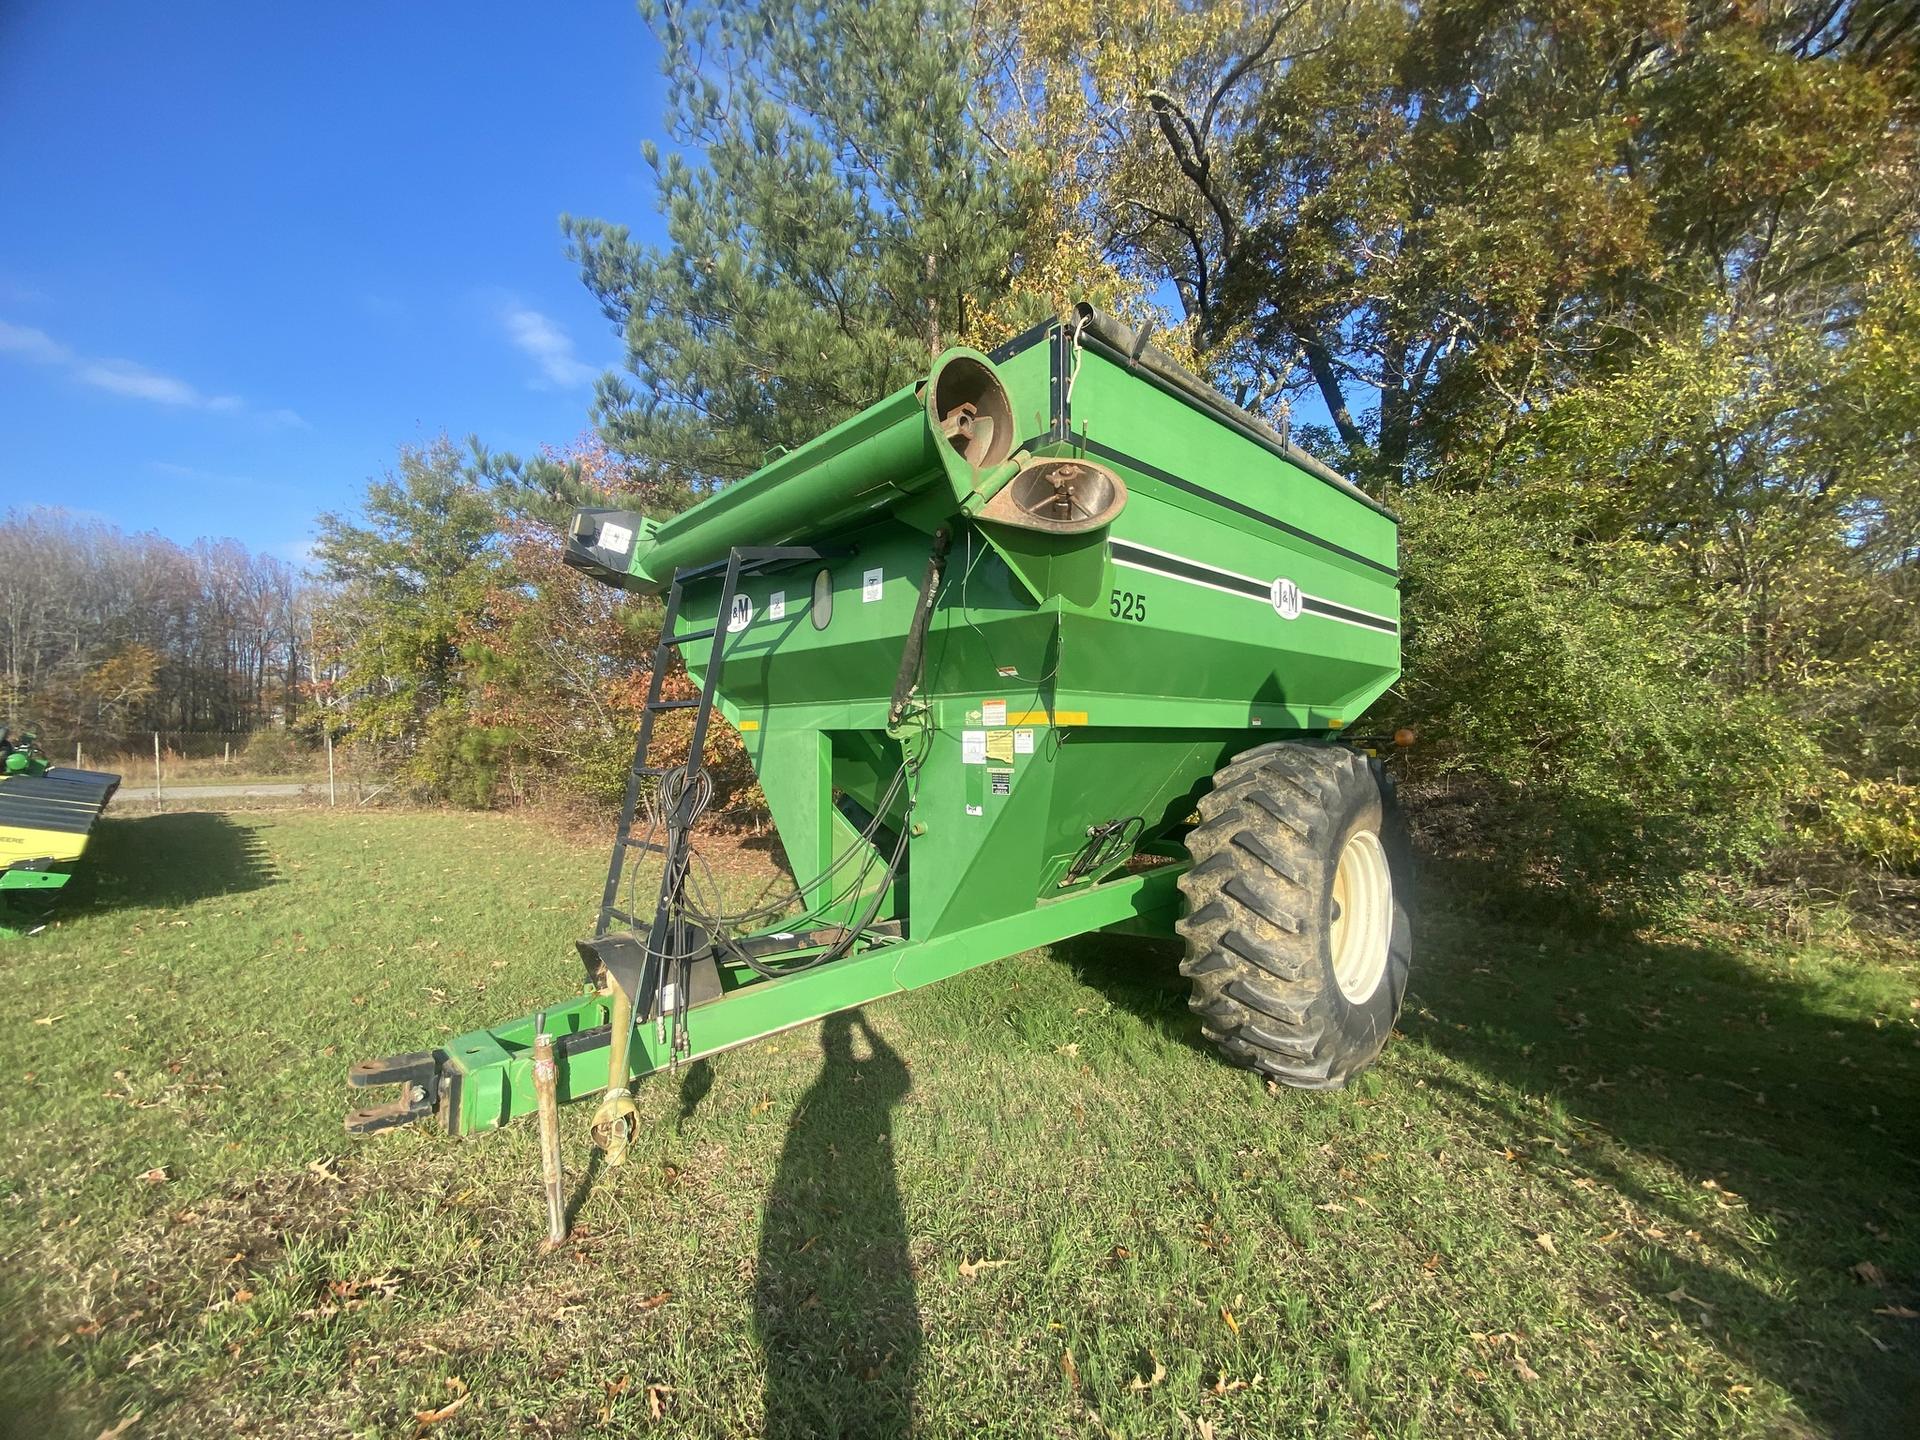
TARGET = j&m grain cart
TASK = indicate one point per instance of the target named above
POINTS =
(46, 814)
(1052, 641)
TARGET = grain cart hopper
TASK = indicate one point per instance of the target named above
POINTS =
(1048, 642)
(46, 814)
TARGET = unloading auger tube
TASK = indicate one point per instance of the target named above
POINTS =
(1053, 640)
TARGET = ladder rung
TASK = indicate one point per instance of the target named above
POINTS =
(643, 771)
(651, 845)
(673, 704)
(688, 637)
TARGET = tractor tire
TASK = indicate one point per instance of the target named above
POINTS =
(1297, 921)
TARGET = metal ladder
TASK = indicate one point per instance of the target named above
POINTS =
(676, 850)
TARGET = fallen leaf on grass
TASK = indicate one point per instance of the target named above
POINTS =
(155, 1176)
(760, 1107)
(48, 1020)
(657, 1401)
(654, 1302)
(1898, 1312)
(1525, 1371)
(1679, 1293)
(615, 1389)
(1148, 1382)
(120, 1429)
(427, 1418)
(1545, 1241)
(1069, 1369)
(1868, 1273)
(1227, 1315)
(969, 1269)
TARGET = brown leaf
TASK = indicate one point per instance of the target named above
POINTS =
(1868, 1273)
(1898, 1312)
(1159, 1374)
(1525, 1371)
(1227, 1315)
(615, 1389)
(971, 1268)
(241, 1297)
(428, 1418)
(120, 1429)
(155, 1176)
(1069, 1369)
(654, 1302)
(657, 1401)
(1545, 1241)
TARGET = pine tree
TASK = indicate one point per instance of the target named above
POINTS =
(835, 220)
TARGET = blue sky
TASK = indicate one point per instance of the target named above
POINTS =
(247, 250)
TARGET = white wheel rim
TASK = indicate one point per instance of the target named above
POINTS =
(1362, 916)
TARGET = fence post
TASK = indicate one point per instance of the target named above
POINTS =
(156, 769)
(330, 797)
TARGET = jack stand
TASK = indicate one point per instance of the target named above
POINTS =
(547, 1094)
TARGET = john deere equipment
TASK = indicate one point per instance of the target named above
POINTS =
(1052, 641)
(46, 814)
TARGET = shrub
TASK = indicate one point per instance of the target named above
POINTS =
(1552, 669)
(273, 752)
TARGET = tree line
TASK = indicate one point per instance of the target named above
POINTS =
(104, 635)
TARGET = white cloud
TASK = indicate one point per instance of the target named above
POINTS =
(549, 345)
(126, 377)
(32, 344)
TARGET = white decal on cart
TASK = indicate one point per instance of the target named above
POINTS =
(1285, 597)
(741, 615)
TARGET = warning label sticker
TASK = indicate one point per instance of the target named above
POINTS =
(973, 747)
(1001, 781)
(993, 712)
(870, 584)
(615, 537)
(1000, 746)
(777, 605)
(1023, 742)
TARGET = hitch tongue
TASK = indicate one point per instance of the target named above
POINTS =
(417, 1073)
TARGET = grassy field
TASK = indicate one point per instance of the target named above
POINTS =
(1601, 1185)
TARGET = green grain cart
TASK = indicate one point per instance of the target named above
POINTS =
(1052, 641)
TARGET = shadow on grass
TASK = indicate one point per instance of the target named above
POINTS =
(835, 1306)
(165, 860)
(1685, 1073)
(1687, 1070)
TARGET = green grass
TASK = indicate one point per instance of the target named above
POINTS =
(1601, 1185)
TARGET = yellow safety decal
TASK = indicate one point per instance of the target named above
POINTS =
(1000, 746)
(1041, 717)
(748, 725)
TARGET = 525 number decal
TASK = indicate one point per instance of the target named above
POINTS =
(1126, 605)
